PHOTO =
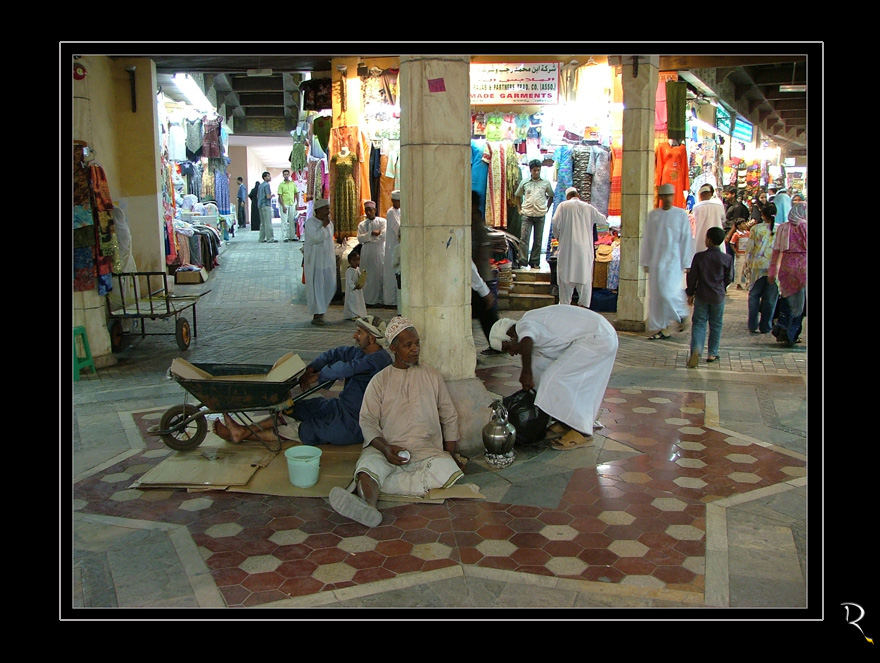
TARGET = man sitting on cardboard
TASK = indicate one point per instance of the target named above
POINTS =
(318, 421)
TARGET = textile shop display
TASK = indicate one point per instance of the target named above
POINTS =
(95, 245)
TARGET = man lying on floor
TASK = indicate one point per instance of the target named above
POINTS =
(321, 420)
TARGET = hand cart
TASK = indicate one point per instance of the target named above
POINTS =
(159, 304)
(184, 427)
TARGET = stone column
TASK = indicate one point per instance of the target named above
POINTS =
(435, 187)
(637, 184)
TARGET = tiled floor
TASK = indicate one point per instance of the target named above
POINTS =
(693, 494)
(629, 510)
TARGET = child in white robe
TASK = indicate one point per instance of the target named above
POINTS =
(354, 292)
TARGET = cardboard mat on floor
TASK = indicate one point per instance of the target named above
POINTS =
(251, 468)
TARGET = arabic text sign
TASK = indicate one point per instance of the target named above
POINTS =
(512, 83)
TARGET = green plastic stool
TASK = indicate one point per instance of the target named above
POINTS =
(81, 363)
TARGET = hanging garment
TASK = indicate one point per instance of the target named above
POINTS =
(346, 203)
(194, 130)
(211, 140)
(390, 85)
(676, 109)
(614, 196)
(176, 138)
(671, 167)
(317, 94)
(580, 170)
(298, 158)
(600, 187)
(321, 126)
(480, 157)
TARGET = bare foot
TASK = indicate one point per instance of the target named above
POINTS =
(237, 432)
(221, 431)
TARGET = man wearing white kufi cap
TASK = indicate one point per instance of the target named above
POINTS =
(666, 252)
(574, 225)
(410, 430)
(319, 264)
(567, 355)
(392, 230)
(708, 213)
(371, 234)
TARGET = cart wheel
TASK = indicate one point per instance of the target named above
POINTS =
(116, 336)
(187, 438)
(183, 333)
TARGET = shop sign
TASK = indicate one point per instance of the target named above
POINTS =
(515, 83)
(722, 120)
(742, 130)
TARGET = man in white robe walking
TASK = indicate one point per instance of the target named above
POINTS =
(574, 225)
(708, 213)
(371, 234)
(392, 228)
(410, 429)
(319, 261)
(567, 353)
(666, 252)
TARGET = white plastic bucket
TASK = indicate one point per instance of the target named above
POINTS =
(303, 465)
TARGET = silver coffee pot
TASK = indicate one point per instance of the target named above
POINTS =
(499, 435)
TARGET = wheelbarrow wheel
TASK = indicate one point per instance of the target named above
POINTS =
(183, 333)
(189, 436)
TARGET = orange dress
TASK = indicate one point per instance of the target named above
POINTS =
(671, 167)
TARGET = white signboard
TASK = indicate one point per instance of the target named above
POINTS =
(511, 83)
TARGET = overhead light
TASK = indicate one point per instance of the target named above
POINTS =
(792, 88)
(258, 73)
(192, 92)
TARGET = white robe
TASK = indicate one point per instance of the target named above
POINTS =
(389, 287)
(707, 214)
(573, 223)
(319, 265)
(373, 259)
(354, 299)
(572, 356)
(667, 250)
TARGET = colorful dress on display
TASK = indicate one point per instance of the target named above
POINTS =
(671, 167)
(346, 206)
(211, 140)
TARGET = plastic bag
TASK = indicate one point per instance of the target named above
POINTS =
(528, 419)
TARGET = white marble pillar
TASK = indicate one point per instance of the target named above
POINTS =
(637, 184)
(435, 187)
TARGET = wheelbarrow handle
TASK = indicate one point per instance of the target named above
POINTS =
(290, 401)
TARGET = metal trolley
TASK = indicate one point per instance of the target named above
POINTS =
(159, 304)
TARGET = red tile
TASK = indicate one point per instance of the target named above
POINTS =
(230, 576)
(300, 586)
(328, 556)
(403, 564)
(673, 574)
(365, 576)
(299, 568)
(224, 560)
(258, 582)
(529, 540)
(530, 557)
(365, 560)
